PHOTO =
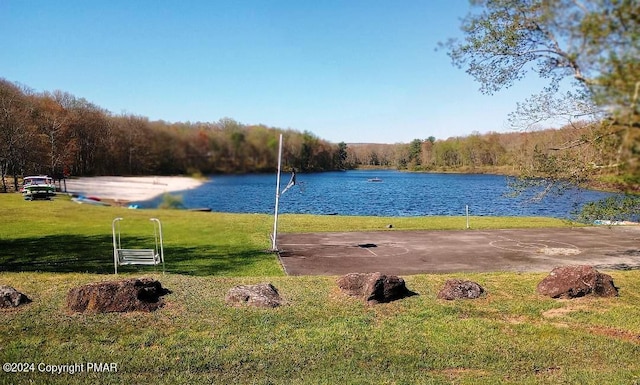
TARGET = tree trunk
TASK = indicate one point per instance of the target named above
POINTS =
(3, 171)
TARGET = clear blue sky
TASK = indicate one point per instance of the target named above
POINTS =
(350, 70)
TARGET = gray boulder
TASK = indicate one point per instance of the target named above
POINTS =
(374, 288)
(577, 281)
(263, 295)
(10, 297)
(460, 289)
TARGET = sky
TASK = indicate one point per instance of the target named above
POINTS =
(352, 70)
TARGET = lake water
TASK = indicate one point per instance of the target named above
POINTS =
(398, 194)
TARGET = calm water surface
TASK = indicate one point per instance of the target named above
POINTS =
(398, 194)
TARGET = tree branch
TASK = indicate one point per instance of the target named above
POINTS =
(580, 142)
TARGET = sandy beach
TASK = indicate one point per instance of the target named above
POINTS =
(128, 189)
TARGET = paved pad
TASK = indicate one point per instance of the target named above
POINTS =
(417, 252)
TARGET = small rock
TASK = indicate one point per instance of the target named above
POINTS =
(577, 281)
(263, 295)
(460, 289)
(10, 297)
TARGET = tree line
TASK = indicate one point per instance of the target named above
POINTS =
(511, 153)
(59, 134)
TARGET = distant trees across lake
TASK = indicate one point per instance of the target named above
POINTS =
(58, 133)
(475, 153)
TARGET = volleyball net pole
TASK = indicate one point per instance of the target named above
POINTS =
(274, 236)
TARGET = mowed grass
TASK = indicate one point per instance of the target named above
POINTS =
(63, 236)
(511, 335)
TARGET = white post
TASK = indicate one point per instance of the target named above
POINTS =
(467, 209)
(115, 228)
(274, 246)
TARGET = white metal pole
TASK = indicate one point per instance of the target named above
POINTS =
(467, 208)
(274, 246)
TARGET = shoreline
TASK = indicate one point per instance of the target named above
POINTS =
(130, 189)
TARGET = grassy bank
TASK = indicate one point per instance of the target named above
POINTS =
(62, 236)
(512, 335)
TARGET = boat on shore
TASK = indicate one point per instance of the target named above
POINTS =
(38, 187)
(89, 201)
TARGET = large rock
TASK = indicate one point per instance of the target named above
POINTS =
(10, 297)
(117, 296)
(577, 281)
(263, 295)
(460, 289)
(374, 287)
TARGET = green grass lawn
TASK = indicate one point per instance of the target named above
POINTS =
(511, 335)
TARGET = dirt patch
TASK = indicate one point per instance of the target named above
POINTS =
(456, 373)
(550, 371)
(560, 312)
(617, 333)
(602, 331)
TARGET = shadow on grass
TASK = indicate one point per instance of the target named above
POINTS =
(214, 261)
(94, 254)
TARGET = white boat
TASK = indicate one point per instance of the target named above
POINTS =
(376, 179)
(38, 187)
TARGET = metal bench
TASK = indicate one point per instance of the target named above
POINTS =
(123, 256)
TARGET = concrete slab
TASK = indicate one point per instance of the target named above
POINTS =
(417, 252)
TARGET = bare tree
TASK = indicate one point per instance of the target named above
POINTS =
(16, 136)
(594, 45)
